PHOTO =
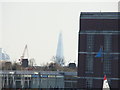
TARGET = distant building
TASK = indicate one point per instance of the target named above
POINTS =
(5, 63)
(35, 80)
(99, 34)
(59, 58)
(72, 65)
(24, 62)
(3, 55)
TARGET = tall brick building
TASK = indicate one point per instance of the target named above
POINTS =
(99, 30)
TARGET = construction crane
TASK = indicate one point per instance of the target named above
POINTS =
(24, 59)
(25, 51)
(32, 62)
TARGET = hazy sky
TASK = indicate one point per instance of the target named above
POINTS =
(38, 24)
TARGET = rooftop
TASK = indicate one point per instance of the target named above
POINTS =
(100, 15)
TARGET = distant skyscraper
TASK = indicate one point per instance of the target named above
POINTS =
(59, 58)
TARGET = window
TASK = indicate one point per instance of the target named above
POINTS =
(107, 56)
(89, 57)
(89, 83)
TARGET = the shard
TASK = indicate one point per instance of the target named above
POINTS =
(59, 59)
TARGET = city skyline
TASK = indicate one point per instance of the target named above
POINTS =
(38, 25)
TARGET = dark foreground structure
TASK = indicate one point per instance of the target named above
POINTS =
(99, 49)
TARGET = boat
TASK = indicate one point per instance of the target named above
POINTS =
(105, 84)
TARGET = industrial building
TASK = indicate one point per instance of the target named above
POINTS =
(98, 49)
(38, 80)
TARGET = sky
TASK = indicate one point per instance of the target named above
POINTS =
(38, 25)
